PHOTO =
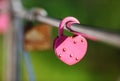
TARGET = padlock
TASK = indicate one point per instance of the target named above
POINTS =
(69, 49)
(4, 16)
(4, 22)
(37, 37)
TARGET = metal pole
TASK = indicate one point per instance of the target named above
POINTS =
(9, 51)
(17, 7)
(10, 56)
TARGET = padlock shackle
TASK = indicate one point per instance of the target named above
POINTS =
(79, 33)
(68, 21)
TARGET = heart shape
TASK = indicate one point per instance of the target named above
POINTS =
(70, 50)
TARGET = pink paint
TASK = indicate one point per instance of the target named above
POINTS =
(69, 49)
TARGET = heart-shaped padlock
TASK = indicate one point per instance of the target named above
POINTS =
(69, 49)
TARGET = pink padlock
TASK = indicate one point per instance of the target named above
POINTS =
(4, 16)
(69, 49)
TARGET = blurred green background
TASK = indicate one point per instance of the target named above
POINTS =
(102, 61)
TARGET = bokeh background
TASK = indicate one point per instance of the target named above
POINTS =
(102, 61)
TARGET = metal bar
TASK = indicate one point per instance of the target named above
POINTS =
(100, 35)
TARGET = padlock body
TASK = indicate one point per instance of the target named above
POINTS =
(4, 22)
(70, 49)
